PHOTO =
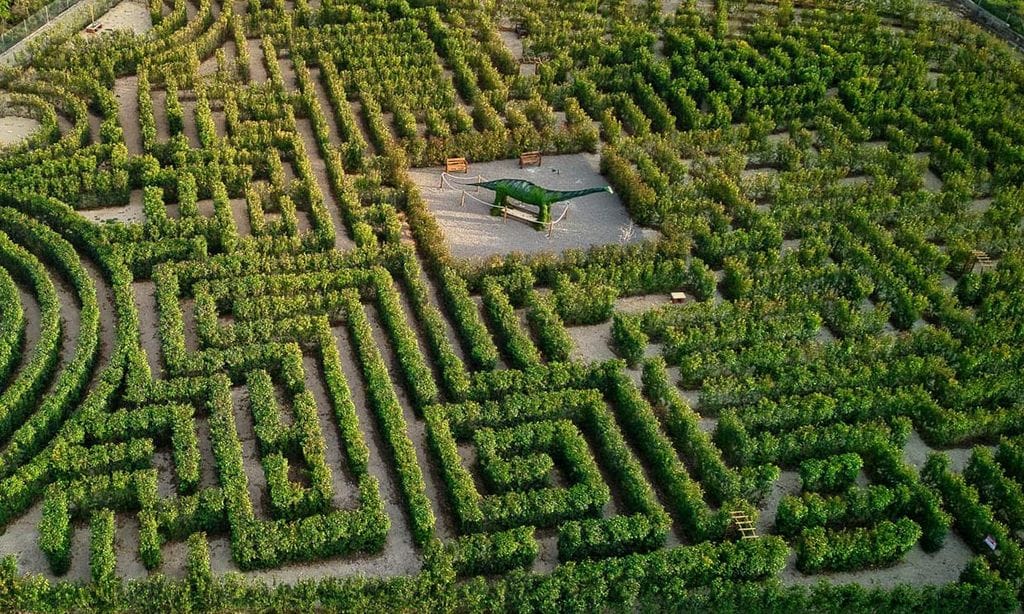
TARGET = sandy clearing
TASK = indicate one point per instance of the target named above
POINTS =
(126, 16)
(14, 129)
(473, 233)
(592, 343)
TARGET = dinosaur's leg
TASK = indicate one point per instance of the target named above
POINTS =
(499, 203)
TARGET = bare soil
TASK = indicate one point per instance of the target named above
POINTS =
(787, 484)
(126, 545)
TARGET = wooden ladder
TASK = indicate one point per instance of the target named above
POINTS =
(744, 524)
(982, 260)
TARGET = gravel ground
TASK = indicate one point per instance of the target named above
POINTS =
(473, 233)
(14, 129)
(127, 16)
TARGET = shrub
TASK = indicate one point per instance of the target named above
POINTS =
(830, 474)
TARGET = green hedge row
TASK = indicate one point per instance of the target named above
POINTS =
(492, 553)
(516, 343)
(855, 507)
(547, 328)
(1004, 495)
(607, 537)
(419, 380)
(483, 354)
(882, 545)
(102, 558)
(12, 325)
(454, 378)
(830, 474)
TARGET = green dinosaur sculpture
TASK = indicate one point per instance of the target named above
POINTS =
(532, 194)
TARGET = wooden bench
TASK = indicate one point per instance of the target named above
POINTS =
(456, 165)
(677, 297)
(94, 27)
(529, 158)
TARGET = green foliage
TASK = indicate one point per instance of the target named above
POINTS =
(830, 474)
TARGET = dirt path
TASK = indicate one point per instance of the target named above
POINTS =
(207, 463)
(343, 483)
(126, 90)
(417, 429)
(108, 312)
(250, 455)
(325, 104)
(257, 69)
(434, 298)
(361, 123)
(163, 132)
(144, 293)
(240, 213)
(33, 323)
(916, 568)
(399, 556)
(188, 108)
(126, 546)
(128, 213)
(95, 122)
(342, 242)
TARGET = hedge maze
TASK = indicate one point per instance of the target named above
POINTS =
(240, 368)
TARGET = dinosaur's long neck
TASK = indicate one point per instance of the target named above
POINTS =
(558, 196)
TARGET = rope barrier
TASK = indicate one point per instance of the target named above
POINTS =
(446, 178)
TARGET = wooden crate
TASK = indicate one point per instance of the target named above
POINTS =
(529, 158)
(456, 165)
